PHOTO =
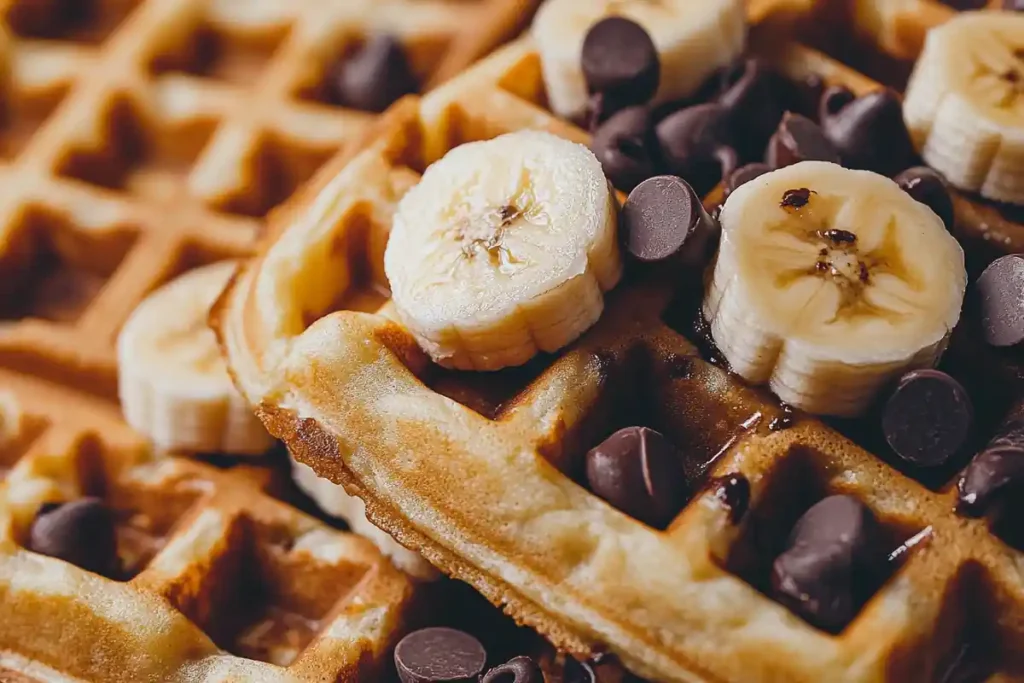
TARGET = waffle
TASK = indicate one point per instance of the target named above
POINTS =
(479, 472)
(218, 581)
(149, 139)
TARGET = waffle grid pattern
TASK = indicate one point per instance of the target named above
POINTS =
(522, 531)
(154, 138)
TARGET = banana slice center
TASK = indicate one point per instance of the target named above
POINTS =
(843, 260)
(999, 72)
(484, 234)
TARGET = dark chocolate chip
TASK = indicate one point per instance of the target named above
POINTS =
(998, 292)
(751, 96)
(697, 144)
(620, 60)
(998, 471)
(81, 532)
(49, 18)
(639, 472)
(626, 147)
(806, 94)
(799, 139)
(744, 174)
(796, 198)
(663, 218)
(868, 131)
(374, 77)
(516, 670)
(929, 187)
(832, 553)
(432, 655)
(928, 418)
(733, 491)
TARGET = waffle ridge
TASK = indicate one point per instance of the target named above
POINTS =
(483, 481)
(155, 137)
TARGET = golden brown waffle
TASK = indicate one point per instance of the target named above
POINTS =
(219, 581)
(158, 135)
(150, 139)
(479, 472)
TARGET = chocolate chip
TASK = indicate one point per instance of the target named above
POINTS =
(743, 175)
(929, 187)
(796, 197)
(638, 471)
(997, 473)
(374, 77)
(1012, 5)
(664, 219)
(838, 236)
(626, 147)
(964, 5)
(751, 96)
(432, 655)
(620, 60)
(81, 532)
(928, 418)
(998, 292)
(868, 131)
(49, 18)
(832, 554)
(733, 491)
(516, 670)
(799, 139)
(697, 144)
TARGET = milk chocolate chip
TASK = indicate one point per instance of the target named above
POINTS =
(626, 147)
(81, 532)
(799, 139)
(833, 552)
(620, 61)
(697, 144)
(436, 655)
(929, 187)
(638, 471)
(997, 472)
(928, 418)
(999, 294)
(868, 131)
(663, 219)
(374, 77)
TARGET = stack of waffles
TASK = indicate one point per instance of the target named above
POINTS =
(489, 475)
(143, 139)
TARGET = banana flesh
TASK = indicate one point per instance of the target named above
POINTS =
(693, 39)
(830, 283)
(964, 104)
(173, 384)
(503, 250)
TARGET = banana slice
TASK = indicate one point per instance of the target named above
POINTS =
(964, 105)
(504, 249)
(830, 283)
(333, 500)
(693, 38)
(173, 383)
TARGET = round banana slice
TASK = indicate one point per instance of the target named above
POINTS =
(693, 39)
(173, 383)
(830, 283)
(504, 249)
(964, 105)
